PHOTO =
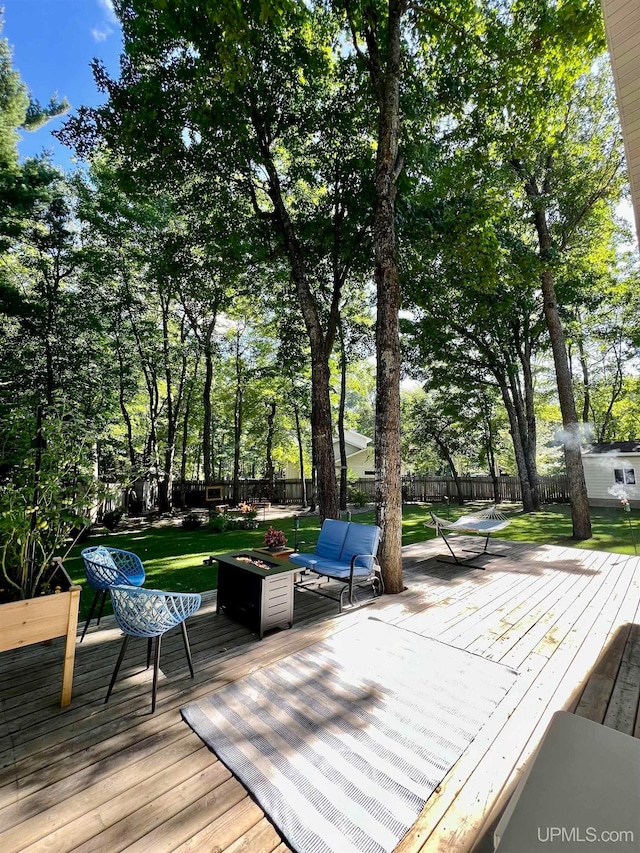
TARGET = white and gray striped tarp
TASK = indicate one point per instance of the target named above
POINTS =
(343, 743)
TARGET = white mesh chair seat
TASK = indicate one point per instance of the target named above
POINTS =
(150, 613)
(105, 567)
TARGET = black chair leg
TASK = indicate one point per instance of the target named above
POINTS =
(156, 664)
(185, 637)
(115, 671)
(149, 642)
(104, 598)
(90, 616)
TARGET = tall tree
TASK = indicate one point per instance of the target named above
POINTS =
(254, 100)
(536, 119)
(381, 32)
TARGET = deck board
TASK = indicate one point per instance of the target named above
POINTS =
(96, 777)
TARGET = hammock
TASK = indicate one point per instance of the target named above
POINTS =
(484, 522)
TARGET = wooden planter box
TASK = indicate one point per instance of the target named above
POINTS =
(36, 620)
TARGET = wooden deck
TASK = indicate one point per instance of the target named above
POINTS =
(96, 777)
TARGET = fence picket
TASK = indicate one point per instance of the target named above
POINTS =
(553, 489)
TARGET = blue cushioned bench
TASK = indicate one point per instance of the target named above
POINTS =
(345, 552)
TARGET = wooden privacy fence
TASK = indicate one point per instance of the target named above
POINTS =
(552, 490)
(193, 492)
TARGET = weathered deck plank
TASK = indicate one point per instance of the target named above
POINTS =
(96, 777)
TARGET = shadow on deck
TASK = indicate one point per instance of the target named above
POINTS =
(108, 777)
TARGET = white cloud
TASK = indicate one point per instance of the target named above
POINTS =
(110, 12)
(109, 21)
(101, 34)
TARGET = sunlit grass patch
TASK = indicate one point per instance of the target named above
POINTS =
(173, 557)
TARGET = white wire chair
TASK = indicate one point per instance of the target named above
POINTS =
(151, 613)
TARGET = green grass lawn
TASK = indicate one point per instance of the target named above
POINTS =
(551, 526)
(173, 556)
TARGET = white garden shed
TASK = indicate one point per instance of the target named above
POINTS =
(612, 473)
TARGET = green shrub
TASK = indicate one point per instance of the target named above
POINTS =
(357, 497)
(192, 521)
(112, 518)
(217, 524)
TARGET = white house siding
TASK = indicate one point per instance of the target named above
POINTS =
(292, 471)
(622, 23)
(602, 488)
(361, 465)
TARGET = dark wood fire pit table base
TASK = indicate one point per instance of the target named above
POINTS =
(255, 589)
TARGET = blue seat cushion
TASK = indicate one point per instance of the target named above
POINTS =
(361, 539)
(332, 538)
(304, 560)
(340, 570)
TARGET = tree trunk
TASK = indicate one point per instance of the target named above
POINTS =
(207, 419)
(165, 485)
(123, 407)
(579, 501)
(320, 342)
(572, 437)
(237, 440)
(185, 444)
(325, 464)
(269, 474)
(387, 438)
(454, 473)
(616, 390)
(303, 482)
(173, 406)
(580, 515)
(531, 445)
(514, 429)
(341, 407)
(489, 439)
(527, 433)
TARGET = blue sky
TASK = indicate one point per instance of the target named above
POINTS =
(53, 42)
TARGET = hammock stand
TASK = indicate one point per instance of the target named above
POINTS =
(485, 522)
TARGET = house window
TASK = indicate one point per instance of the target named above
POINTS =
(625, 476)
(373, 473)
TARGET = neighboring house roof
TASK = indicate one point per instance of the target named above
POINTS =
(622, 23)
(612, 447)
(355, 438)
(358, 452)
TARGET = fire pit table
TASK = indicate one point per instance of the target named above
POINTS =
(255, 589)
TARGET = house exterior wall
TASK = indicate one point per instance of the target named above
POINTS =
(602, 489)
(622, 23)
(359, 463)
